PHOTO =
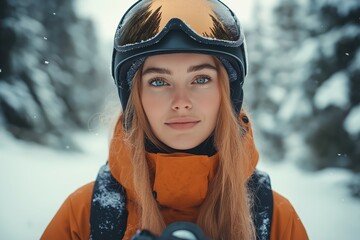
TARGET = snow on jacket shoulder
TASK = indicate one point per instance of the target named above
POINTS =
(72, 221)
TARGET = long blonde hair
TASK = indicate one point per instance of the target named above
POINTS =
(226, 211)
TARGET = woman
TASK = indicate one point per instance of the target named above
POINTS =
(182, 150)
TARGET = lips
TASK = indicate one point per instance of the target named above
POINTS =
(182, 123)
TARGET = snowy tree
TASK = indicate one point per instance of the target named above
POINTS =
(304, 62)
(272, 87)
(49, 76)
(334, 84)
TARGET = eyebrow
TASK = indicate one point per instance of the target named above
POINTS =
(201, 67)
(190, 69)
(156, 70)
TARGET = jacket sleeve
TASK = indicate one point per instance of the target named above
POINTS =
(286, 224)
(72, 220)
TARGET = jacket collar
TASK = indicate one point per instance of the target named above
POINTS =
(204, 148)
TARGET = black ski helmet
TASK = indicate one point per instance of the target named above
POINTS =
(151, 27)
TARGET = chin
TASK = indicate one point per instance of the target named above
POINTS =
(184, 146)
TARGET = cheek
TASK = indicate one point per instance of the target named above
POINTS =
(210, 102)
(153, 105)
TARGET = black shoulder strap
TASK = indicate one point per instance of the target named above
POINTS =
(108, 216)
(259, 185)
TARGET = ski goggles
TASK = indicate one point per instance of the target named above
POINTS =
(206, 21)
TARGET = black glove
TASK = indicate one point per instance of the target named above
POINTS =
(175, 231)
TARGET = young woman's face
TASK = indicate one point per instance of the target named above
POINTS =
(181, 97)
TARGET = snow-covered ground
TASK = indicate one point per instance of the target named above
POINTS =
(35, 180)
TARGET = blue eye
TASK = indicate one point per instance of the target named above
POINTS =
(202, 80)
(158, 83)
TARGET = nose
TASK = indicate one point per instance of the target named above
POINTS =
(181, 100)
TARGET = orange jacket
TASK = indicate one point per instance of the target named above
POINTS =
(72, 221)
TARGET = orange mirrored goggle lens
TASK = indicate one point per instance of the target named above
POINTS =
(207, 18)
